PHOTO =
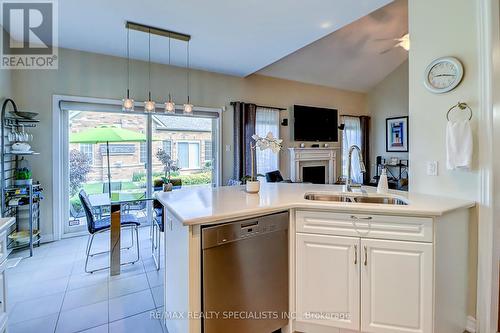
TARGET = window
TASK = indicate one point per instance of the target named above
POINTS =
(88, 150)
(167, 147)
(143, 152)
(267, 120)
(208, 150)
(351, 136)
(188, 155)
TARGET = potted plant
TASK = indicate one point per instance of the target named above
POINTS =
(23, 176)
(263, 143)
(169, 165)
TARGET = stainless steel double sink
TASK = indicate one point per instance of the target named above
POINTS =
(355, 198)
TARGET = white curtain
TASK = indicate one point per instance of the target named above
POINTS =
(351, 136)
(267, 120)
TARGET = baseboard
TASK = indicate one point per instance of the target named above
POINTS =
(471, 325)
(46, 238)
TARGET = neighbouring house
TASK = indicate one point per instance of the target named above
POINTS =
(187, 140)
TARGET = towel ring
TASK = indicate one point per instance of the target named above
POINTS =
(461, 106)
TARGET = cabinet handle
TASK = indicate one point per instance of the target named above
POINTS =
(366, 256)
(355, 254)
(361, 218)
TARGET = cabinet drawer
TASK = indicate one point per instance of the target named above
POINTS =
(365, 225)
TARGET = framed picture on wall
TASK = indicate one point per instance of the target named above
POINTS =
(396, 139)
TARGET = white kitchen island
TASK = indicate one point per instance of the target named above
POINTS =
(379, 268)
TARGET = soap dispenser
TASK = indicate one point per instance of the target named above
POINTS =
(383, 186)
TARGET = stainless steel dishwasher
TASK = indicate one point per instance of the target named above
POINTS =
(245, 275)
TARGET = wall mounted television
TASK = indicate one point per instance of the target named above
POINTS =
(315, 124)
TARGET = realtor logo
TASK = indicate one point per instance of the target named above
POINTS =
(29, 36)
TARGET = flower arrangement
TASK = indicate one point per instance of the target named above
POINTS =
(169, 165)
(263, 143)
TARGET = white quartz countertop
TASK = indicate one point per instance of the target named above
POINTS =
(206, 205)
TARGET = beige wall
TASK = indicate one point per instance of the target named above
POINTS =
(387, 99)
(93, 75)
(5, 83)
(435, 35)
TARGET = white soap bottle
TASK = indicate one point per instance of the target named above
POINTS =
(383, 186)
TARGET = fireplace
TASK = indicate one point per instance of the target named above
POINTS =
(314, 174)
(313, 165)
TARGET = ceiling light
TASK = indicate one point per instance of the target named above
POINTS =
(149, 105)
(404, 42)
(326, 25)
(128, 103)
(169, 104)
(188, 107)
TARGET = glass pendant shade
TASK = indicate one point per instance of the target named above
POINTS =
(149, 105)
(188, 108)
(128, 104)
(170, 105)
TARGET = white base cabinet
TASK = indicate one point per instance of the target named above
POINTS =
(328, 280)
(374, 280)
(396, 287)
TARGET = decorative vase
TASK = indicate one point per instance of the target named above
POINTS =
(253, 186)
(167, 187)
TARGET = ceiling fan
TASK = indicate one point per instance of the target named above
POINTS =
(403, 42)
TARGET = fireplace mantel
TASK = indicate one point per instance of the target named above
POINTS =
(304, 157)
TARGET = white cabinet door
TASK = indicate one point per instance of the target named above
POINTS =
(396, 287)
(327, 280)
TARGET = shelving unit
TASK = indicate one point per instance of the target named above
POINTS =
(29, 195)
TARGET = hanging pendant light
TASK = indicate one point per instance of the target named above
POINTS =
(149, 105)
(188, 107)
(128, 103)
(169, 104)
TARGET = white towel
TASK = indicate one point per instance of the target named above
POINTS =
(459, 145)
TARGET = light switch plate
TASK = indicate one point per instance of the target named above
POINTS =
(432, 168)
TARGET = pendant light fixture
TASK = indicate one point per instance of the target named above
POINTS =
(169, 104)
(128, 103)
(188, 107)
(149, 105)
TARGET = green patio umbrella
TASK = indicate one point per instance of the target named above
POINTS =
(107, 134)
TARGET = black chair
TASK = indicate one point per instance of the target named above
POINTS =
(157, 229)
(274, 177)
(96, 226)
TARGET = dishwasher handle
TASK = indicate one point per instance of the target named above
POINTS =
(249, 229)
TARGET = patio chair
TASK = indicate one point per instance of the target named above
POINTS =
(157, 229)
(136, 206)
(74, 213)
(97, 226)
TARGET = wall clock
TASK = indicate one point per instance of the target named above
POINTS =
(443, 75)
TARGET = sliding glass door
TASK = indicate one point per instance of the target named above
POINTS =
(129, 143)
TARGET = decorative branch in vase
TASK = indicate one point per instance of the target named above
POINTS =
(263, 143)
(169, 166)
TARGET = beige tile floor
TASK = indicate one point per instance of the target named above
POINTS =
(51, 292)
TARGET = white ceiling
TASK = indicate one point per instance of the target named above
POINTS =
(231, 37)
(350, 57)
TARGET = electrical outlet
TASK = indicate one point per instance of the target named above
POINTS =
(228, 148)
(432, 168)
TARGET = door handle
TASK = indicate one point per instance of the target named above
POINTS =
(366, 256)
(355, 254)
(361, 218)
